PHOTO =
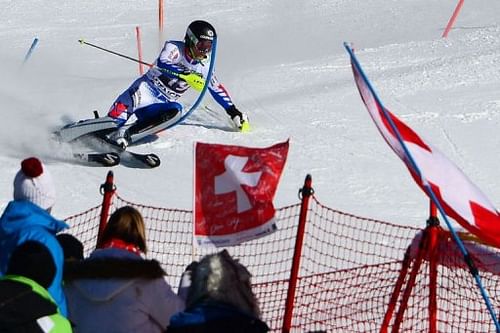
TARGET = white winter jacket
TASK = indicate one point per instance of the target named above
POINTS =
(117, 291)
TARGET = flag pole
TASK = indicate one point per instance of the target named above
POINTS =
(467, 258)
(193, 215)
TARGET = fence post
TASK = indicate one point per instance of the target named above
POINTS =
(421, 254)
(427, 250)
(306, 192)
(107, 190)
(433, 252)
(396, 292)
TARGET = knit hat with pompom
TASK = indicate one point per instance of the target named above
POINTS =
(34, 183)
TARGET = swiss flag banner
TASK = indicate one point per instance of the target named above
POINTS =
(460, 198)
(233, 192)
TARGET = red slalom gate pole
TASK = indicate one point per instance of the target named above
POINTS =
(160, 23)
(139, 49)
(160, 15)
(453, 18)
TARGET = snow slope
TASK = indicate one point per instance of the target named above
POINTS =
(284, 64)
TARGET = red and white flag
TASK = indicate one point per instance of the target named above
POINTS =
(459, 197)
(234, 189)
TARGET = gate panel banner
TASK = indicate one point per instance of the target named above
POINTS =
(234, 188)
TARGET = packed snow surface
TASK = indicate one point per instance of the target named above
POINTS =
(284, 64)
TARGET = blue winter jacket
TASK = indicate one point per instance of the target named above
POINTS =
(22, 221)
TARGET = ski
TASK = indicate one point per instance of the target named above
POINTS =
(137, 160)
(129, 158)
(125, 158)
(108, 159)
(104, 152)
(92, 134)
(81, 128)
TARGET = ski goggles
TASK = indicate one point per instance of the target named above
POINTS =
(202, 47)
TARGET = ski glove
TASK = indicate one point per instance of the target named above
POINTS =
(239, 119)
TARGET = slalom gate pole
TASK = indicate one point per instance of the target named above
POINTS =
(205, 86)
(306, 193)
(139, 49)
(428, 189)
(160, 23)
(107, 189)
(31, 49)
(453, 18)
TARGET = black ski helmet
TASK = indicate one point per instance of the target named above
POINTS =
(199, 38)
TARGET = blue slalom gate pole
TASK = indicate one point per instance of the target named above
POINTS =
(205, 87)
(31, 49)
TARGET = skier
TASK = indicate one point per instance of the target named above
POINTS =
(150, 104)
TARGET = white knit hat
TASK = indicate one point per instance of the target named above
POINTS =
(34, 183)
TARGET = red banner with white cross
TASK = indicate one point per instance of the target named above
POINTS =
(234, 189)
(460, 198)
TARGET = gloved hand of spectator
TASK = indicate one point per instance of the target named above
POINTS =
(191, 267)
(185, 282)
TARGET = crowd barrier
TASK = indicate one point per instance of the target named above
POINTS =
(355, 274)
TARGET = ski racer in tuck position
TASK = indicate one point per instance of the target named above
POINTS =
(150, 104)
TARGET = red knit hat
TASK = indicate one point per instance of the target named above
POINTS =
(34, 183)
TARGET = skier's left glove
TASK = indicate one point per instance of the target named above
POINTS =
(239, 119)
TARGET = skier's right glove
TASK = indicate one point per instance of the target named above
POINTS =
(239, 119)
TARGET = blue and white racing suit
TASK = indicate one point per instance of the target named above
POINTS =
(155, 94)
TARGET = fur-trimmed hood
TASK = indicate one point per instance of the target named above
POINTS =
(102, 277)
(113, 268)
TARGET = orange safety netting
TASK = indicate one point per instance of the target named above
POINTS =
(350, 269)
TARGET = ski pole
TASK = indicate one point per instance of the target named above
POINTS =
(115, 53)
(193, 79)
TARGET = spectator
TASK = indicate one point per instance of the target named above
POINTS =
(72, 247)
(115, 289)
(25, 304)
(28, 217)
(219, 299)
